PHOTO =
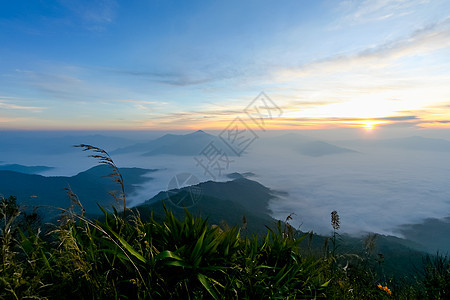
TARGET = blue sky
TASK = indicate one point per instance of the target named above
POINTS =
(196, 65)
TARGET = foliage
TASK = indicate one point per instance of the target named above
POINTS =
(122, 256)
(437, 277)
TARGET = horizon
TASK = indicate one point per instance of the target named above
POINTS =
(339, 133)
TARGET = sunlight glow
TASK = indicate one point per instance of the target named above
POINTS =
(369, 125)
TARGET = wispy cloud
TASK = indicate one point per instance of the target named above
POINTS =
(397, 118)
(6, 105)
(182, 78)
(421, 42)
(335, 119)
(94, 14)
(377, 10)
(141, 101)
(9, 120)
(58, 85)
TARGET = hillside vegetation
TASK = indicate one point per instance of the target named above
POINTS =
(123, 256)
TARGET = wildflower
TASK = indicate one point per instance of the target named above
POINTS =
(385, 288)
(335, 222)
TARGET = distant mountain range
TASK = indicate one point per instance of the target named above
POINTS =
(316, 148)
(91, 186)
(191, 144)
(35, 144)
(418, 143)
(431, 233)
(194, 143)
(414, 143)
(306, 146)
(24, 169)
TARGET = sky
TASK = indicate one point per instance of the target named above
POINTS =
(182, 65)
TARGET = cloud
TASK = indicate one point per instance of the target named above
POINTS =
(6, 105)
(224, 112)
(58, 82)
(201, 114)
(10, 120)
(301, 104)
(337, 119)
(377, 10)
(56, 85)
(398, 118)
(421, 42)
(173, 78)
(220, 118)
(184, 71)
(141, 101)
(93, 14)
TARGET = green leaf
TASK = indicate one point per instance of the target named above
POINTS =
(282, 273)
(44, 258)
(203, 280)
(176, 263)
(129, 248)
(27, 245)
(198, 245)
(326, 283)
(167, 254)
(115, 253)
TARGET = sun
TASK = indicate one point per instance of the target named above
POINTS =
(370, 125)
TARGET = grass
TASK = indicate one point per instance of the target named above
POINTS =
(125, 256)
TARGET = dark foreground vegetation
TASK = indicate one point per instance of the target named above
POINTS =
(123, 256)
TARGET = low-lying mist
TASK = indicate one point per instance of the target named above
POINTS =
(374, 188)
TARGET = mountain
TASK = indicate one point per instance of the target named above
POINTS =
(216, 210)
(236, 175)
(39, 143)
(91, 186)
(418, 143)
(414, 143)
(306, 145)
(220, 202)
(431, 234)
(398, 257)
(249, 194)
(319, 148)
(228, 202)
(173, 144)
(24, 169)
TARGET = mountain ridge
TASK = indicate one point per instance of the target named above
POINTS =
(190, 144)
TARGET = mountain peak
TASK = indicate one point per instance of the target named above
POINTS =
(198, 132)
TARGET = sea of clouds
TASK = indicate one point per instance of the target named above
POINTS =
(373, 190)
